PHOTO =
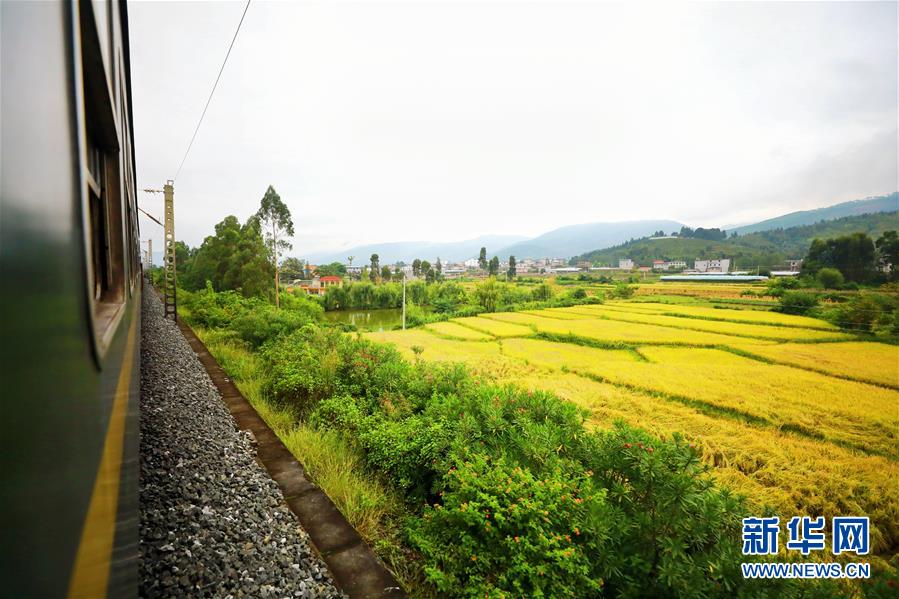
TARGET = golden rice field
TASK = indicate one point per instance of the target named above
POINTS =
(790, 411)
(701, 290)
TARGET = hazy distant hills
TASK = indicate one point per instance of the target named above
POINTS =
(887, 203)
(575, 239)
(407, 251)
(591, 239)
(558, 243)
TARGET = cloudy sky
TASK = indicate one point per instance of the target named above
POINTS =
(380, 121)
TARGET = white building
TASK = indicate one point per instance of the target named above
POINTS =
(626, 264)
(472, 263)
(722, 265)
(676, 265)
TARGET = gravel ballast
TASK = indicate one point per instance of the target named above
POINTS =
(212, 521)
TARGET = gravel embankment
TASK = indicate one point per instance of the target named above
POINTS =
(212, 522)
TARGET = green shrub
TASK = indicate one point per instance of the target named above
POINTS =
(542, 292)
(830, 278)
(858, 314)
(623, 290)
(797, 302)
(578, 293)
(498, 530)
(681, 533)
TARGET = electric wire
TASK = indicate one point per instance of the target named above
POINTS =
(211, 93)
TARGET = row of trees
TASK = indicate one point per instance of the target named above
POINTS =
(242, 257)
(856, 256)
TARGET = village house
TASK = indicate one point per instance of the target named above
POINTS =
(625, 264)
(722, 265)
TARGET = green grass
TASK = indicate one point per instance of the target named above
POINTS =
(331, 460)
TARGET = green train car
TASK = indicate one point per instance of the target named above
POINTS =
(70, 285)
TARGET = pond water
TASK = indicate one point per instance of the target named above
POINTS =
(368, 320)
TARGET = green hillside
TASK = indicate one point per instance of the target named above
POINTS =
(887, 203)
(765, 249)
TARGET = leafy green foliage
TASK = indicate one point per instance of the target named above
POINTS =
(797, 302)
(853, 255)
(623, 290)
(830, 278)
(234, 259)
(499, 529)
(253, 320)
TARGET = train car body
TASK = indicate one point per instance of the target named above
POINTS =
(70, 286)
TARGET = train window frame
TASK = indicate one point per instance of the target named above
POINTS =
(102, 195)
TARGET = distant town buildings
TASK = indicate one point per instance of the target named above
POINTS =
(626, 264)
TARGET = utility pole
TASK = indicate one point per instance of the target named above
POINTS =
(149, 253)
(404, 300)
(170, 285)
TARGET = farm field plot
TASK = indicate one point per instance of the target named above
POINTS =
(760, 331)
(866, 361)
(453, 329)
(618, 331)
(701, 290)
(745, 316)
(794, 434)
(494, 327)
(436, 348)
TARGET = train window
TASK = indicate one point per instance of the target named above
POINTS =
(103, 205)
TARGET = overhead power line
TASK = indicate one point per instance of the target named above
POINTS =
(215, 85)
(153, 218)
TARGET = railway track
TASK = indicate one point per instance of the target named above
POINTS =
(225, 508)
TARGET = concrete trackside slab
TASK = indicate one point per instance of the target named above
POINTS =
(356, 570)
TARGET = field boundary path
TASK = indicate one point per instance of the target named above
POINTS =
(354, 566)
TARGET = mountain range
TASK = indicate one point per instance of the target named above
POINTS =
(407, 251)
(574, 240)
(887, 203)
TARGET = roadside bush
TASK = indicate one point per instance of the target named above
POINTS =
(210, 309)
(302, 368)
(797, 302)
(779, 286)
(253, 320)
(830, 278)
(858, 314)
(499, 529)
(623, 291)
(542, 292)
(679, 529)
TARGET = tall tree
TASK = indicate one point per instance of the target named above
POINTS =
(511, 271)
(375, 268)
(385, 273)
(482, 258)
(888, 252)
(416, 268)
(853, 255)
(424, 268)
(438, 268)
(274, 219)
(235, 258)
(335, 269)
(493, 267)
(292, 267)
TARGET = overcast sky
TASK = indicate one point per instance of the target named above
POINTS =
(444, 121)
